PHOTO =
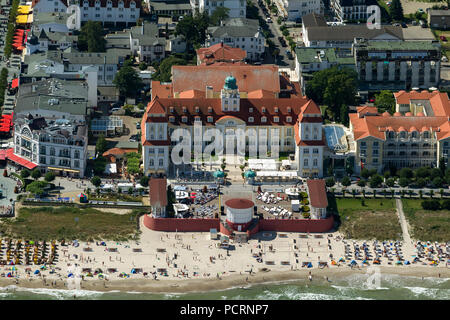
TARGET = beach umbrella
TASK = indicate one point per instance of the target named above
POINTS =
(70, 275)
(36, 272)
(250, 174)
(133, 271)
(9, 275)
(399, 262)
(353, 262)
(13, 268)
(309, 265)
(218, 174)
(341, 260)
(407, 262)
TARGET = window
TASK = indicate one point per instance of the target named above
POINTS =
(151, 163)
(276, 119)
(375, 144)
(77, 154)
(306, 151)
(263, 119)
(52, 151)
(184, 119)
(315, 163)
(375, 160)
(375, 152)
(161, 162)
(363, 144)
(250, 119)
(161, 150)
(315, 150)
(52, 160)
(250, 109)
(76, 164)
(210, 119)
(305, 162)
(263, 109)
(289, 119)
(42, 160)
(171, 119)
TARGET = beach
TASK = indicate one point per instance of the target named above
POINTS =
(191, 262)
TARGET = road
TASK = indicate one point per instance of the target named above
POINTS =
(282, 59)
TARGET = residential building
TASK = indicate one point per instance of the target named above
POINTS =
(237, 8)
(218, 53)
(438, 19)
(346, 10)
(45, 41)
(108, 126)
(173, 8)
(50, 22)
(417, 135)
(111, 12)
(231, 97)
(397, 64)
(317, 33)
(49, 6)
(310, 60)
(245, 34)
(54, 99)
(294, 10)
(58, 145)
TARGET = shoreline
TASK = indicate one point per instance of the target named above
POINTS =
(199, 285)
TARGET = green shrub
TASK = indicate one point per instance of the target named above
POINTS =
(305, 208)
(431, 205)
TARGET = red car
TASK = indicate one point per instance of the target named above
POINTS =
(443, 38)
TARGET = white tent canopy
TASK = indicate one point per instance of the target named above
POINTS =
(259, 164)
(111, 168)
(288, 174)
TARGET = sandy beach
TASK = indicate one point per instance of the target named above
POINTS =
(189, 262)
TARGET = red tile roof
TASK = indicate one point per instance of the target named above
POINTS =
(220, 53)
(158, 192)
(438, 100)
(248, 77)
(161, 90)
(317, 193)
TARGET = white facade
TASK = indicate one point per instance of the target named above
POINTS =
(237, 8)
(310, 157)
(110, 13)
(51, 151)
(296, 9)
(156, 158)
(49, 6)
(240, 216)
(254, 45)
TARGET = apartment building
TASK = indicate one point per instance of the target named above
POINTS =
(294, 10)
(397, 64)
(239, 33)
(346, 10)
(237, 8)
(417, 135)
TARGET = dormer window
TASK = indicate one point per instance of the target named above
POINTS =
(250, 109)
(276, 119)
(184, 119)
(210, 119)
(276, 109)
(198, 119)
(171, 119)
(210, 109)
(289, 109)
(288, 119)
(172, 109)
(263, 119)
(197, 109)
(263, 110)
(250, 119)
(184, 109)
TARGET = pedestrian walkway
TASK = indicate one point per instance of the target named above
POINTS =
(407, 242)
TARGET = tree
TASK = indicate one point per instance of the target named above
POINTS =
(91, 37)
(170, 201)
(365, 173)
(144, 181)
(385, 101)
(362, 183)
(36, 174)
(346, 181)
(446, 204)
(406, 173)
(435, 173)
(25, 173)
(390, 182)
(421, 182)
(375, 181)
(403, 182)
(218, 15)
(437, 182)
(442, 162)
(37, 188)
(143, 66)
(49, 176)
(128, 81)
(431, 205)
(193, 29)
(335, 87)
(96, 181)
(422, 172)
(387, 174)
(164, 71)
(396, 10)
(330, 182)
(100, 146)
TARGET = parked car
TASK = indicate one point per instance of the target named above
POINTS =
(138, 125)
(269, 20)
(134, 138)
(404, 25)
(115, 109)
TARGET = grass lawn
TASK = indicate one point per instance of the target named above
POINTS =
(57, 223)
(427, 225)
(373, 219)
(116, 197)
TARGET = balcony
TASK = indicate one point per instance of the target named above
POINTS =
(64, 155)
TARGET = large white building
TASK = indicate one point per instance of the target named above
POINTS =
(238, 8)
(124, 12)
(239, 33)
(231, 97)
(295, 9)
(51, 145)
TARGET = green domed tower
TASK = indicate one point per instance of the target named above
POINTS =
(230, 95)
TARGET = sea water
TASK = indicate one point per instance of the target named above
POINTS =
(352, 287)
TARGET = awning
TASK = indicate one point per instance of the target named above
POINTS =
(2, 154)
(63, 169)
(20, 161)
(24, 9)
(15, 83)
(22, 19)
